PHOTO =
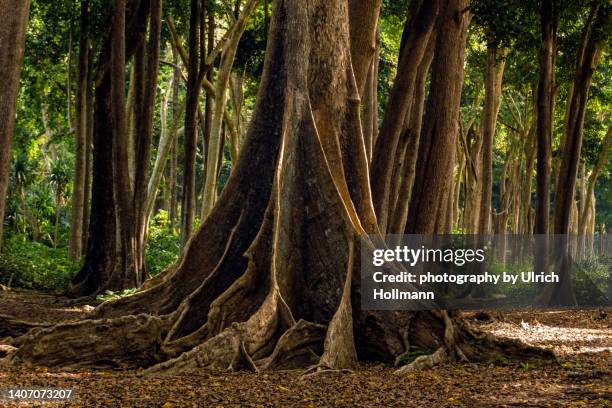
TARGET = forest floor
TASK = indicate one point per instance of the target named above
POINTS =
(582, 341)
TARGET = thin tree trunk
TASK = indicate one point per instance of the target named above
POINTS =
(69, 117)
(167, 139)
(58, 205)
(586, 64)
(236, 97)
(13, 22)
(526, 211)
(126, 268)
(132, 105)
(590, 193)
(88, 155)
(493, 93)
(75, 249)
(172, 211)
(545, 116)
(223, 79)
(142, 194)
(363, 22)
(473, 173)
(369, 108)
(210, 101)
(410, 144)
(418, 29)
(438, 138)
(191, 132)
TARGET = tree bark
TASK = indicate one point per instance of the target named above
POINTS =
(100, 271)
(363, 17)
(172, 211)
(88, 154)
(145, 137)
(13, 22)
(590, 192)
(586, 64)
(418, 30)
(75, 249)
(223, 78)
(409, 148)
(191, 132)
(545, 116)
(493, 94)
(438, 137)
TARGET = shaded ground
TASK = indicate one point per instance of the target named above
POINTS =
(581, 339)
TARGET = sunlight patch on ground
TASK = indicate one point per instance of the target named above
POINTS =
(565, 340)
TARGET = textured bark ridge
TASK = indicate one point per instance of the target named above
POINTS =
(266, 283)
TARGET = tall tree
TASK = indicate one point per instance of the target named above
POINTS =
(145, 136)
(101, 270)
(493, 92)
(75, 249)
(439, 134)
(587, 204)
(223, 79)
(13, 22)
(545, 114)
(418, 29)
(594, 35)
(191, 131)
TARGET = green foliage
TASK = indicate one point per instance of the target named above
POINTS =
(414, 352)
(110, 295)
(164, 244)
(32, 265)
(498, 360)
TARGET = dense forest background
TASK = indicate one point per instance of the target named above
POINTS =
(51, 153)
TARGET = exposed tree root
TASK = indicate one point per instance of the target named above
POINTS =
(461, 343)
(318, 370)
(130, 341)
(10, 327)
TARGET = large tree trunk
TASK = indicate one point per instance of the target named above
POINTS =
(545, 117)
(257, 286)
(75, 249)
(99, 262)
(493, 92)
(100, 271)
(586, 62)
(13, 22)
